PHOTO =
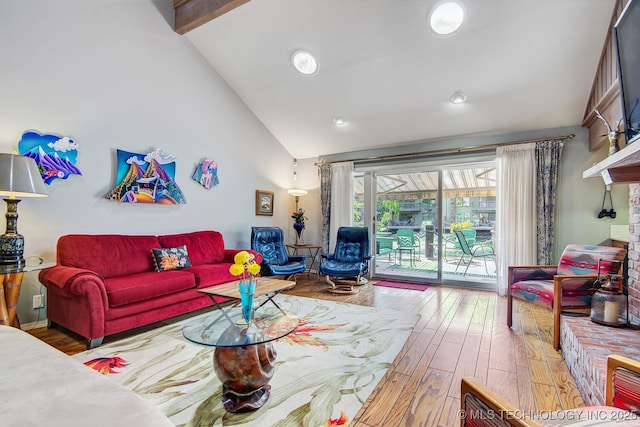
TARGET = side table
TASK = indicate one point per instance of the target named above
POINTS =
(313, 251)
(10, 292)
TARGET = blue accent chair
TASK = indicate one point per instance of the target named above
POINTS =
(349, 261)
(269, 242)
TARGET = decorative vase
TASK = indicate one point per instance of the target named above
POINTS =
(247, 288)
(245, 372)
(298, 226)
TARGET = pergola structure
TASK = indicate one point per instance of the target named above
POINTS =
(475, 182)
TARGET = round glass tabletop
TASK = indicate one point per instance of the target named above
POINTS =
(226, 328)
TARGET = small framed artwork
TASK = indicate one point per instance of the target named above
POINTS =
(264, 202)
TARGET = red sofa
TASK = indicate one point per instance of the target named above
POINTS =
(104, 284)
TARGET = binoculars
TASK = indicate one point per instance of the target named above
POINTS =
(604, 212)
(610, 213)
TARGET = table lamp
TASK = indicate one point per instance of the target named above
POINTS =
(19, 177)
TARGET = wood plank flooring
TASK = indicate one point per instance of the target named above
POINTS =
(461, 332)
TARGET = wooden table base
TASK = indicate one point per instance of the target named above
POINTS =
(245, 373)
(11, 283)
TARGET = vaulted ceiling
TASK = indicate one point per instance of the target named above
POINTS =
(524, 65)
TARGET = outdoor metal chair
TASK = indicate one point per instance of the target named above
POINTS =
(406, 242)
(469, 253)
(384, 246)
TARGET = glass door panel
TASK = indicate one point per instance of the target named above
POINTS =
(406, 224)
(469, 206)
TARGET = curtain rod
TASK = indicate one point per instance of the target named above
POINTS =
(447, 150)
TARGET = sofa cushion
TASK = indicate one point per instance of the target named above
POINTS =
(205, 247)
(166, 259)
(211, 274)
(109, 255)
(132, 288)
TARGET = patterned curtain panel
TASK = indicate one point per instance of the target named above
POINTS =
(548, 160)
(325, 204)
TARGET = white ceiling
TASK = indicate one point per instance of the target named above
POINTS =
(524, 65)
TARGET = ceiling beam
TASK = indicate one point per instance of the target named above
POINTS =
(190, 14)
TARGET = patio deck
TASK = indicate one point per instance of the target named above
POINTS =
(426, 267)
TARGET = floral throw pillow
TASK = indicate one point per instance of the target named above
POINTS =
(170, 258)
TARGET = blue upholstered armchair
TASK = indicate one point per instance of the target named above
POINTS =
(349, 261)
(269, 241)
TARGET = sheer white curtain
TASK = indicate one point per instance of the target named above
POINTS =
(341, 199)
(516, 209)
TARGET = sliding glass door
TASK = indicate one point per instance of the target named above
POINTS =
(414, 216)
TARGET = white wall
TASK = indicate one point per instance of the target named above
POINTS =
(114, 74)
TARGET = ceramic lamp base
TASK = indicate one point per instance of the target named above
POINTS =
(11, 242)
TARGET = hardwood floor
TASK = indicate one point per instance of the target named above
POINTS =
(461, 332)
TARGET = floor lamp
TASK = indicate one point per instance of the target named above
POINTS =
(297, 192)
(19, 177)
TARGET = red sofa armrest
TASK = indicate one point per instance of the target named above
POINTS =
(230, 253)
(74, 281)
(62, 276)
(77, 300)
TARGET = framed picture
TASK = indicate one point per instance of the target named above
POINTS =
(264, 202)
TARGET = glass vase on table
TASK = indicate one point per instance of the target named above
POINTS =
(247, 288)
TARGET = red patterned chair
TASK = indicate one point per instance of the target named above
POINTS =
(482, 407)
(569, 285)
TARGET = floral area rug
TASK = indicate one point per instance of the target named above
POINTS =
(325, 371)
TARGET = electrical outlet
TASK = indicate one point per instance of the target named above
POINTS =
(38, 301)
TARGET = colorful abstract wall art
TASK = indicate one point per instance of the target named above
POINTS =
(146, 178)
(207, 173)
(55, 155)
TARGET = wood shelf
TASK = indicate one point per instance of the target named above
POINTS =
(623, 167)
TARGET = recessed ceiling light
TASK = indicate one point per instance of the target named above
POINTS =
(446, 18)
(339, 120)
(458, 98)
(304, 62)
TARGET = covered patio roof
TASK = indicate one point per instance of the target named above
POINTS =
(476, 182)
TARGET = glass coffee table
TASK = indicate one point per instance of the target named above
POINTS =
(244, 358)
